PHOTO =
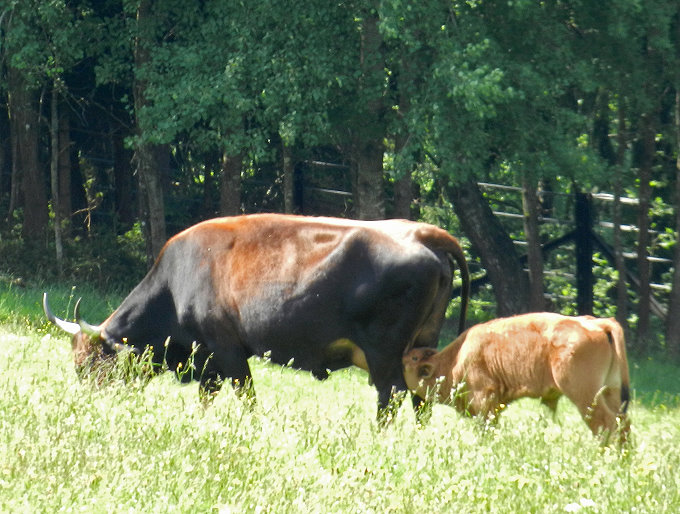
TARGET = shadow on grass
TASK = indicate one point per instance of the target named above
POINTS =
(655, 382)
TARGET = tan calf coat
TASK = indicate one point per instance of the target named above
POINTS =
(537, 355)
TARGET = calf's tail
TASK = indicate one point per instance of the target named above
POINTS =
(618, 340)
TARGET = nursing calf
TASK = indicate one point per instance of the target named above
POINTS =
(538, 355)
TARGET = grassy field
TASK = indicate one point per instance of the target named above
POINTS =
(306, 446)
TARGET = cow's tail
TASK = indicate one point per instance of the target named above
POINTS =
(443, 240)
(617, 337)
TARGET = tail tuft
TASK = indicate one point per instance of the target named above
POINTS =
(625, 398)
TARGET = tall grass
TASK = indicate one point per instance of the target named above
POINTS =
(305, 446)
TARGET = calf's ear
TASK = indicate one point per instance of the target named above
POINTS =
(428, 352)
(425, 370)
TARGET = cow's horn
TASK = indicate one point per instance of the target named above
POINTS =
(67, 326)
(84, 326)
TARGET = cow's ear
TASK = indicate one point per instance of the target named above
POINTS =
(425, 370)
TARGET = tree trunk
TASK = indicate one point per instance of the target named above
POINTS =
(64, 171)
(14, 174)
(4, 149)
(644, 193)
(124, 180)
(673, 316)
(288, 179)
(54, 177)
(25, 127)
(403, 197)
(230, 187)
(367, 147)
(532, 208)
(151, 199)
(146, 154)
(495, 248)
(370, 200)
(403, 186)
(621, 285)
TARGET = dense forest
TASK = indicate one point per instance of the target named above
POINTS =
(124, 121)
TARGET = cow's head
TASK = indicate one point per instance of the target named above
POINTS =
(89, 345)
(420, 370)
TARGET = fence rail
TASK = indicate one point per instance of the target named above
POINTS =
(574, 242)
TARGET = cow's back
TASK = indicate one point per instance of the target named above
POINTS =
(294, 285)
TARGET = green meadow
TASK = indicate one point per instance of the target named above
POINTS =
(305, 446)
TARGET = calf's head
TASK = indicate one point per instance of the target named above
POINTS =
(420, 370)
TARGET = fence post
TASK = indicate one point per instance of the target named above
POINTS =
(584, 253)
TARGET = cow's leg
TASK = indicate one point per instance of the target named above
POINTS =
(390, 399)
(226, 363)
(388, 379)
(396, 308)
(623, 426)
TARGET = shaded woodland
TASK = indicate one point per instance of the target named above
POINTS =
(123, 122)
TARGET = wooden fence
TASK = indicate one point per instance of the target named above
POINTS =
(581, 218)
(586, 235)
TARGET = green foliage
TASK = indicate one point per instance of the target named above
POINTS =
(486, 90)
(45, 39)
(101, 260)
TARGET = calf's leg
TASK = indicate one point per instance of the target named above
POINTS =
(612, 398)
(596, 412)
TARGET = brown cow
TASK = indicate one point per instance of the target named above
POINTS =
(538, 355)
(318, 293)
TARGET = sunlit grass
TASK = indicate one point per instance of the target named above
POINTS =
(305, 446)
